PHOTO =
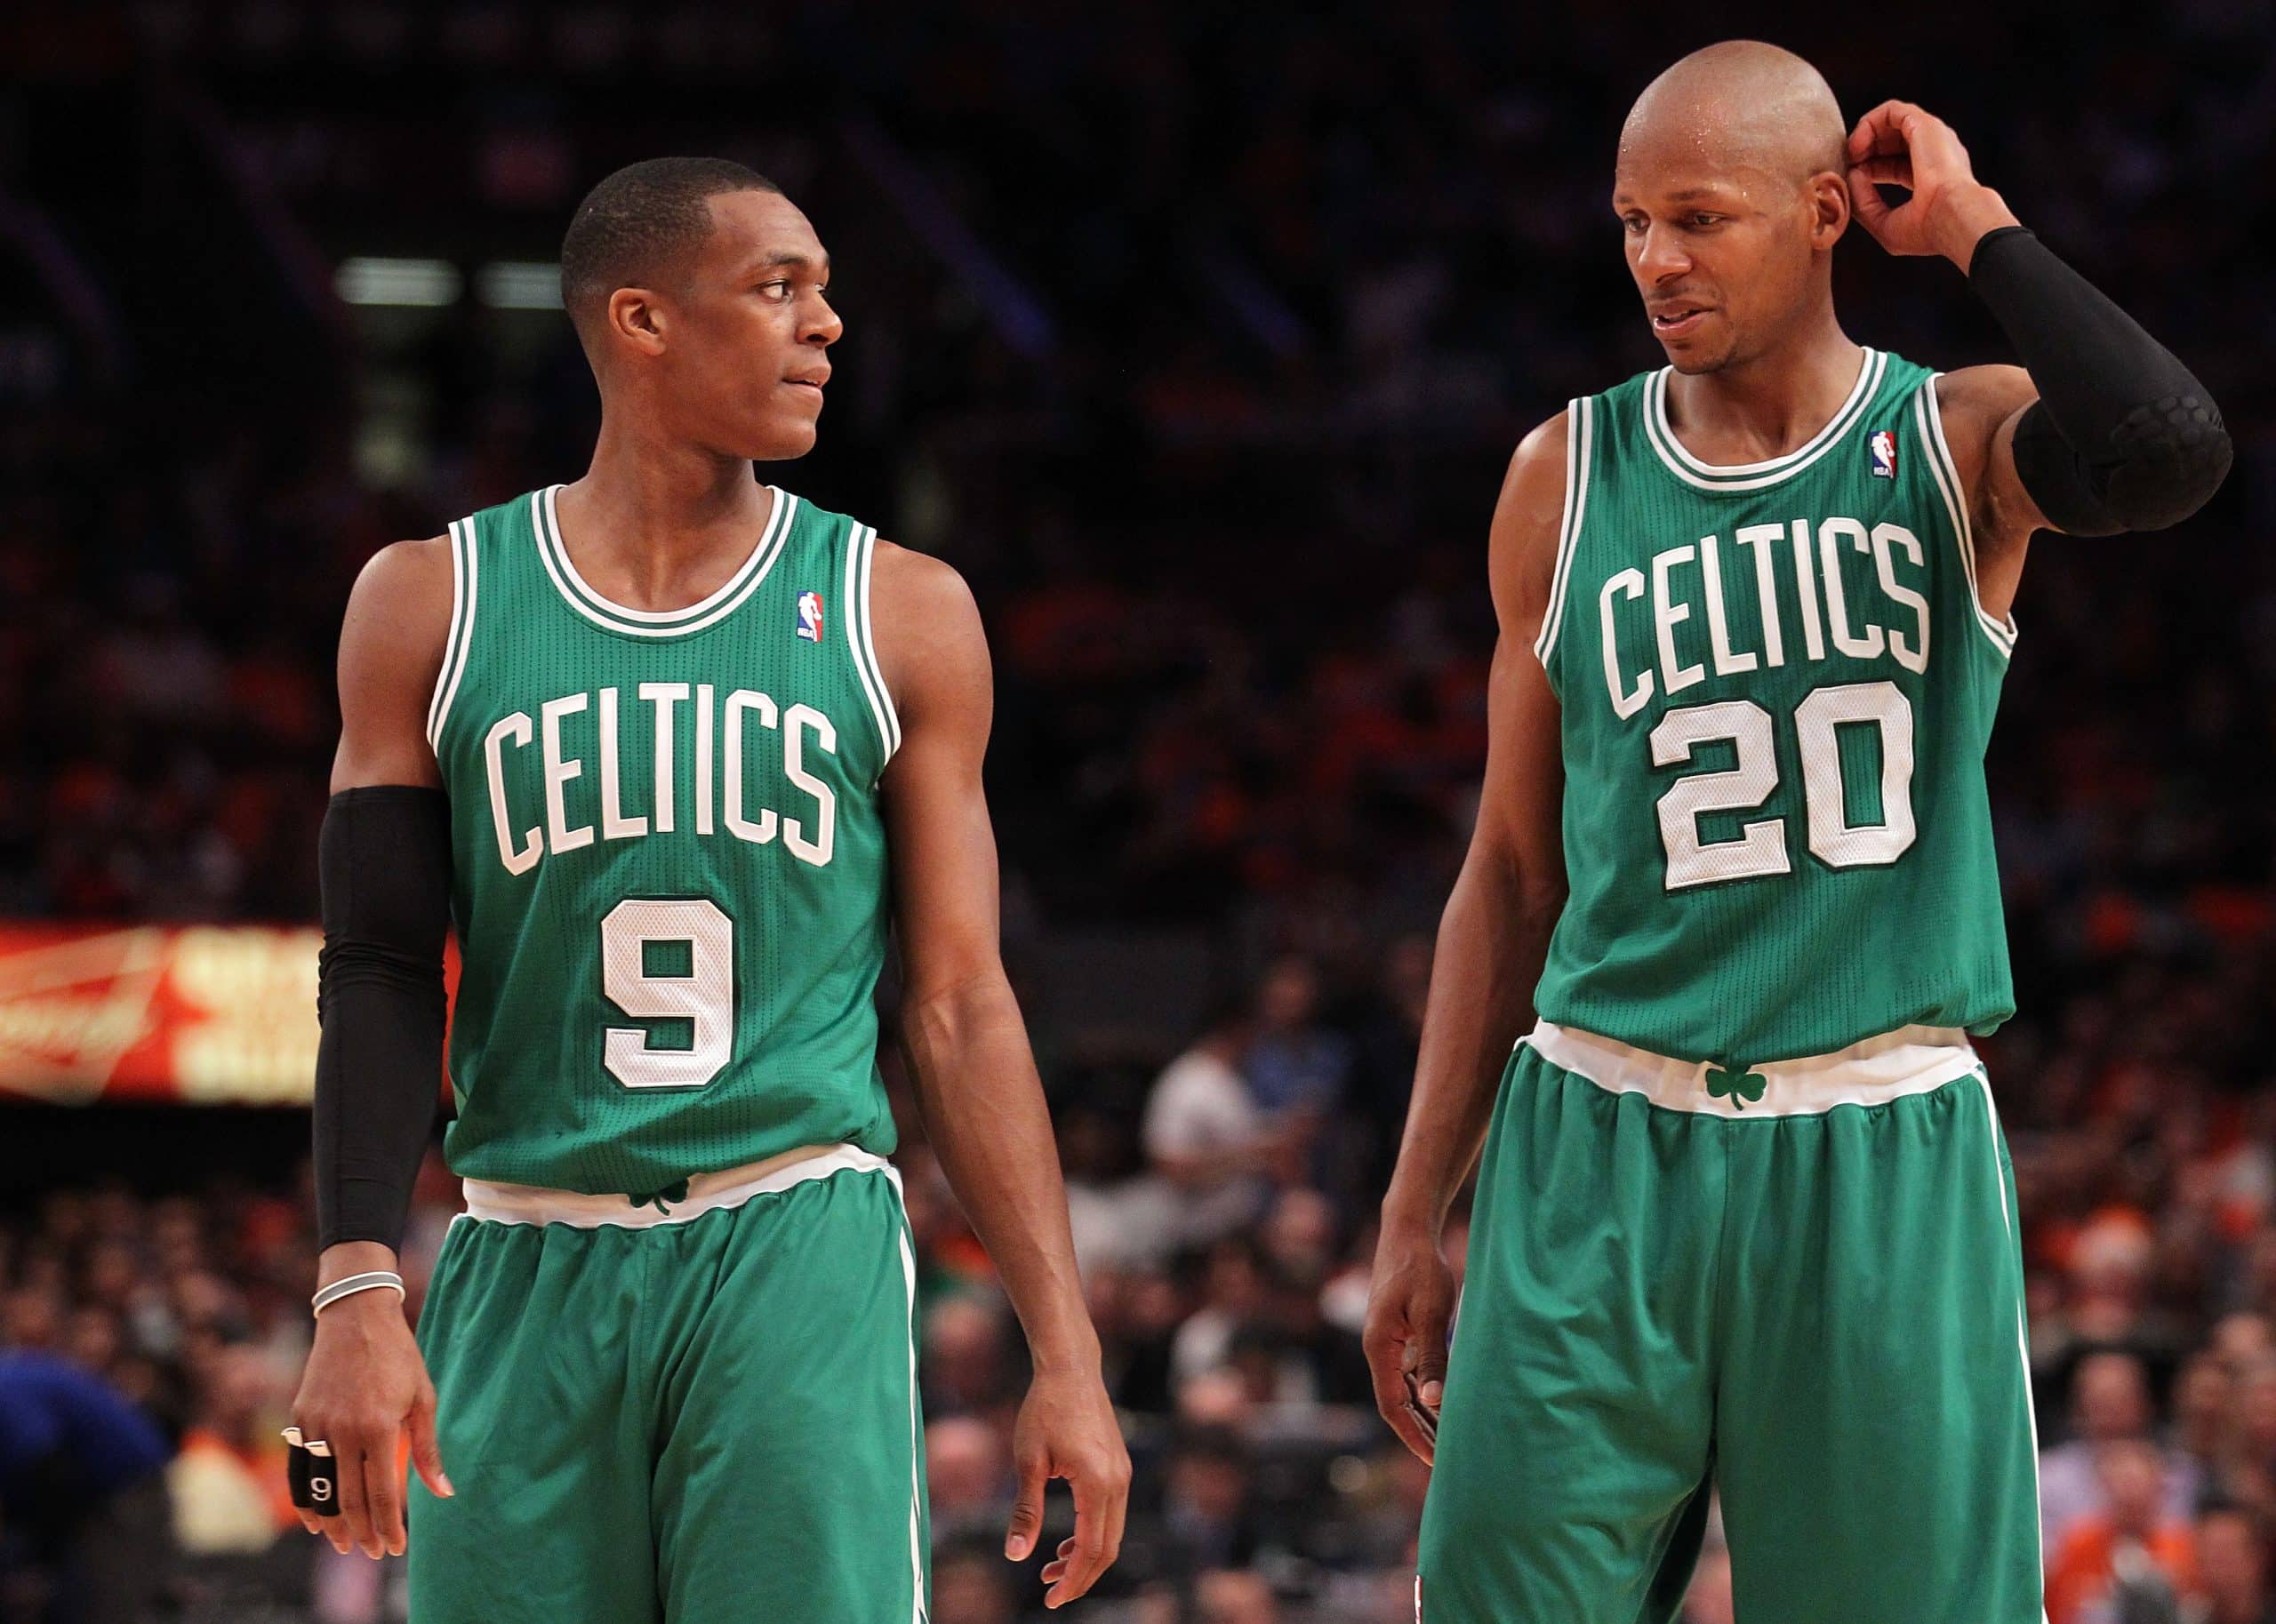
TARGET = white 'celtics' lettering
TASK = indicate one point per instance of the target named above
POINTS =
(815, 847)
(1625, 701)
(759, 830)
(519, 857)
(1667, 613)
(1844, 618)
(614, 824)
(742, 726)
(663, 696)
(560, 834)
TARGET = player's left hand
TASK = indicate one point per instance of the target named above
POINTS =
(1900, 144)
(1066, 1429)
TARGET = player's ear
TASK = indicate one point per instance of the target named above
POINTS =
(635, 316)
(1828, 193)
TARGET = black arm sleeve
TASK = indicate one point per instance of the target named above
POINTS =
(384, 858)
(2122, 436)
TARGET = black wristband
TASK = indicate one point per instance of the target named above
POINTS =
(2123, 436)
(384, 858)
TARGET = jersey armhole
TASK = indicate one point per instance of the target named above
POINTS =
(2000, 633)
(861, 547)
(464, 582)
(1579, 430)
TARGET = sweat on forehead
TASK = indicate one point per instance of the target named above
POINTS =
(1739, 105)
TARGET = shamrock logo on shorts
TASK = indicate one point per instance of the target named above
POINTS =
(1738, 1085)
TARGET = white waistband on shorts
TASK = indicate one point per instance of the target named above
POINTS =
(529, 1203)
(1908, 1061)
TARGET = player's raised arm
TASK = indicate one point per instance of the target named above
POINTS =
(2104, 429)
(1492, 941)
(385, 868)
(967, 1048)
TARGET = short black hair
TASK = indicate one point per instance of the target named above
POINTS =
(642, 220)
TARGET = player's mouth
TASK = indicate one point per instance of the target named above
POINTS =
(810, 382)
(1675, 321)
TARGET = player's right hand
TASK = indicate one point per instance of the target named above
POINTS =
(365, 1384)
(1409, 1306)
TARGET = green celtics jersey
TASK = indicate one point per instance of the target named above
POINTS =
(1777, 684)
(670, 865)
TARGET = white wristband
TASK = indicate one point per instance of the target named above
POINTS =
(348, 1285)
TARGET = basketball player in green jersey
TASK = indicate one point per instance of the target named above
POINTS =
(652, 740)
(1744, 1218)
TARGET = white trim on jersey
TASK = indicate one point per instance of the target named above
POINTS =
(1755, 475)
(1580, 433)
(493, 1203)
(1930, 417)
(1914, 1059)
(465, 561)
(2022, 1336)
(917, 1609)
(603, 611)
(859, 548)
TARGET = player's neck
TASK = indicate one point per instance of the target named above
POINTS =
(659, 519)
(1769, 404)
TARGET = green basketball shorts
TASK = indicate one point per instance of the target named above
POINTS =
(701, 1414)
(1799, 1285)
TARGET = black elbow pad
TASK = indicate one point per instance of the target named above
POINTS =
(2164, 462)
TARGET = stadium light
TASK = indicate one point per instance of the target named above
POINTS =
(367, 280)
(519, 284)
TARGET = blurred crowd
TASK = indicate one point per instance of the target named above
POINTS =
(1224, 1236)
(1196, 339)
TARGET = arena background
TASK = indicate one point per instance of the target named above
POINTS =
(1198, 338)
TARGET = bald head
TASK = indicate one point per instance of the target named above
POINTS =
(1732, 189)
(1740, 105)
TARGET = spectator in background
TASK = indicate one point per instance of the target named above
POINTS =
(2110, 1401)
(968, 1368)
(2250, 1435)
(228, 1484)
(1205, 1137)
(1234, 1297)
(972, 1584)
(82, 1491)
(1389, 1038)
(2200, 1439)
(1297, 1068)
(1207, 1519)
(2244, 1340)
(967, 1478)
(1228, 1597)
(2134, 1545)
(2231, 1569)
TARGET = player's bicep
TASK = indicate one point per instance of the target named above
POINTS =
(1979, 407)
(390, 653)
(1521, 799)
(1522, 795)
(943, 844)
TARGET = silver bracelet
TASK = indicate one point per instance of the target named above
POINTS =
(348, 1285)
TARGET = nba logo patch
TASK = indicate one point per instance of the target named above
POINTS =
(1882, 446)
(809, 625)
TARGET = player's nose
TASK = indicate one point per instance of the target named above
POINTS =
(1661, 255)
(823, 325)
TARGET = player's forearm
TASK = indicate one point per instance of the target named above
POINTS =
(2123, 436)
(985, 1112)
(384, 858)
(1492, 941)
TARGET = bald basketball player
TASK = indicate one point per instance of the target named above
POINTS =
(1744, 1219)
